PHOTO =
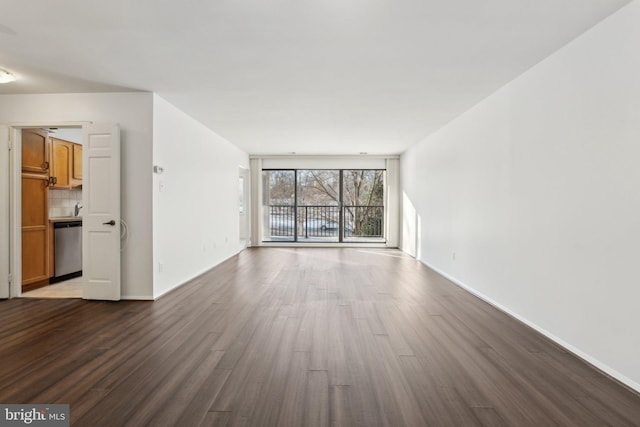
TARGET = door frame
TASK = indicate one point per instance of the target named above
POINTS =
(5, 178)
(244, 217)
(15, 194)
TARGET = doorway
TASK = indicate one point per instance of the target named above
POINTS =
(51, 212)
(102, 228)
(101, 224)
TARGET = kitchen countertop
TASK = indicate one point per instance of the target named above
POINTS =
(65, 219)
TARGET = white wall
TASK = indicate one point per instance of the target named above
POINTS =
(537, 192)
(196, 215)
(133, 112)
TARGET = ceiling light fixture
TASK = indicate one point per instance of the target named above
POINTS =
(6, 77)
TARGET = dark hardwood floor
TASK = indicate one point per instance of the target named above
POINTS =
(301, 337)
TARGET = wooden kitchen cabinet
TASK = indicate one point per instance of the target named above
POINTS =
(61, 158)
(35, 151)
(66, 164)
(35, 230)
(76, 170)
(35, 208)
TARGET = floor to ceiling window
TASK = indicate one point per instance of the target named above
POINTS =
(363, 202)
(323, 205)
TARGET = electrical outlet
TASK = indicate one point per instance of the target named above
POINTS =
(454, 256)
(160, 267)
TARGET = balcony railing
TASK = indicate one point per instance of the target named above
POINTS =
(282, 221)
(323, 222)
(364, 221)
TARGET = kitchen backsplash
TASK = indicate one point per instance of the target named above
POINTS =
(63, 202)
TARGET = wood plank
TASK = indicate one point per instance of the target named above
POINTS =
(267, 408)
(292, 409)
(215, 419)
(317, 395)
(301, 336)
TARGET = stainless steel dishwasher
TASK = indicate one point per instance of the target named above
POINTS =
(68, 250)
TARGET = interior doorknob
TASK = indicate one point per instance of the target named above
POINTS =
(112, 222)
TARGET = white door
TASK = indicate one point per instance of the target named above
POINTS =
(4, 211)
(101, 212)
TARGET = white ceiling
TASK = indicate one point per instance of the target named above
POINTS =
(280, 76)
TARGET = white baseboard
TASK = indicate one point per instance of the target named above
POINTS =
(136, 297)
(576, 351)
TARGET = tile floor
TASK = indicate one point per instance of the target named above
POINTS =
(67, 289)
